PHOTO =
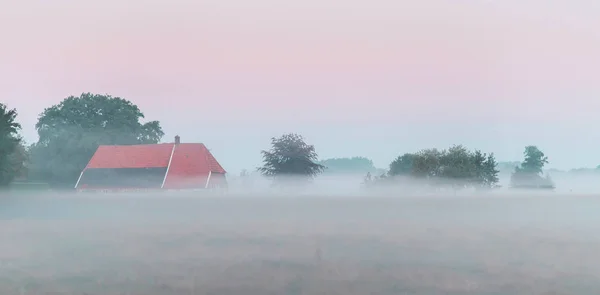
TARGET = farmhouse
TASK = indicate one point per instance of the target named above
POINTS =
(152, 166)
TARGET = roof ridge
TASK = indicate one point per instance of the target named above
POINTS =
(160, 143)
(141, 144)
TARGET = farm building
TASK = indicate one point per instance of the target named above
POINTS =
(152, 166)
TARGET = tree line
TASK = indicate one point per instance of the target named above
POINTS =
(71, 131)
(456, 167)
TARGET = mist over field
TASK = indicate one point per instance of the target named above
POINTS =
(273, 242)
(353, 184)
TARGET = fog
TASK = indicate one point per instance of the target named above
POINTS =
(330, 239)
(343, 185)
(584, 183)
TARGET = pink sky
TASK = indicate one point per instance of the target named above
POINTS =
(230, 68)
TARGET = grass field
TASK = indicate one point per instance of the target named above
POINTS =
(307, 245)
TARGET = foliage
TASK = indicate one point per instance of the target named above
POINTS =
(529, 173)
(290, 156)
(402, 165)
(534, 160)
(456, 167)
(19, 161)
(360, 165)
(71, 131)
(12, 153)
(490, 172)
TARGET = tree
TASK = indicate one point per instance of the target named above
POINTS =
(479, 173)
(71, 131)
(402, 165)
(19, 161)
(290, 156)
(534, 160)
(358, 165)
(427, 164)
(529, 173)
(490, 172)
(12, 158)
(456, 167)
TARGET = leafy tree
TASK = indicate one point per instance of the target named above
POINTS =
(402, 165)
(529, 173)
(359, 165)
(290, 156)
(490, 172)
(427, 164)
(12, 156)
(457, 163)
(534, 160)
(479, 170)
(71, 131)
(484, 170)
(19, 161)
(456, 167)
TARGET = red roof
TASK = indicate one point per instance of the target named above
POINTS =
(131, 156)
(187, 164)
(191, 164)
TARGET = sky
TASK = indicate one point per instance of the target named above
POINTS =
(374, 78)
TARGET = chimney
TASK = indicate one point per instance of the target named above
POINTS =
(177, 139)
